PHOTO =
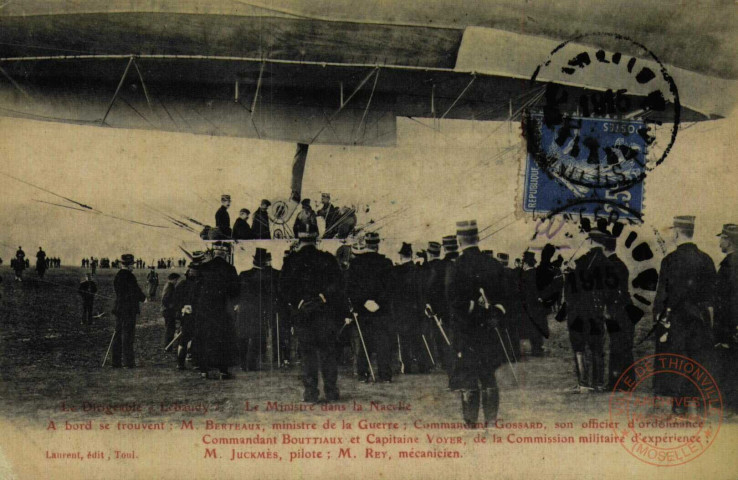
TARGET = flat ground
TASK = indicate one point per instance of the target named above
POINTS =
(48, 357)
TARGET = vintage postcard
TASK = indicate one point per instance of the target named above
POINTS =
(376, 239)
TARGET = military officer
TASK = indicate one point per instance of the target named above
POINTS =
(726, 318)
(407, 313)
(510, 324)
(367, 288)
(683, 307)
(620, 327)
(128, 295)
(590, 289)
(313, 285)
(434, 276)
(475, 289)
(223, 219)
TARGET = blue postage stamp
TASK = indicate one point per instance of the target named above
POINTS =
(556, 172)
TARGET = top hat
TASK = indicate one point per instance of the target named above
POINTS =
(127, 259)
(225, 198)
(406, 250)
(261, 256)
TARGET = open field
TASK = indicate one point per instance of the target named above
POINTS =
(48, 358)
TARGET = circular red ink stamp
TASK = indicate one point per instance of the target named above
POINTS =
(667, 409)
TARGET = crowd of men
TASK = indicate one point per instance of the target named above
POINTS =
(466, 312)
(339, 222)
(43, 262)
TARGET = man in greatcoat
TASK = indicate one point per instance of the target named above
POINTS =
(313, 286)
(128, 296)
(476, 293)
(683, 307)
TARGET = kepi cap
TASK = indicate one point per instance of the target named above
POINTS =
(467, 228)
(730, 230)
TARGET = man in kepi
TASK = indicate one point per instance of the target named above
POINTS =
(367, 289)
(589, 293)
(87, 290)
(127, 297)
(312, 283)
(476, 292)
(683, 309)
(222, 219)
(726, 318)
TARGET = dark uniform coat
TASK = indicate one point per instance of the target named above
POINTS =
(260, 225)
(214, 343)
(223, 221)
(306, 221)
(407, 315)
(589, 288)
(187, 292)
(41, 265)
(128, 294)
(307, 274)
(242, 230)
(87, 290)
(725, 332)
(686, 287)
(257, 302)
(367, 278)
(620, 327)
(534, 322)
(475, 339)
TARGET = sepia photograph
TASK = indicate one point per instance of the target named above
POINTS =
(438, 239)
